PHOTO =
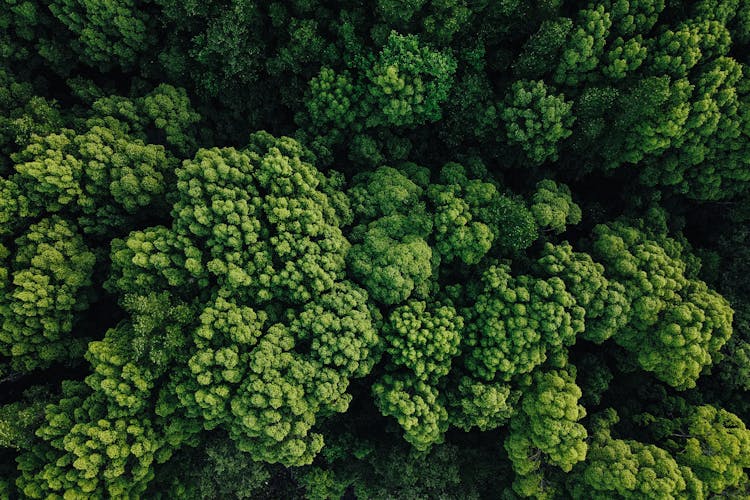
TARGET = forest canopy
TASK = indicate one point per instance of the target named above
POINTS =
(385, 249)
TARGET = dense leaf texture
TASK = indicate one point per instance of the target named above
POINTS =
(384, 249)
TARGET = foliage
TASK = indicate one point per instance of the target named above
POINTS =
(386, 249)
(553, 207)
(536, 120)
(424, 340)
(604, 301)
(48, 283)
(676, 324)
(632, 469)
(546, 431)
(517, 321)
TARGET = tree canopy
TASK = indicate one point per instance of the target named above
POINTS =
(383, 249)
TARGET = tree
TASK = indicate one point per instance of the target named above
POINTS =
(48, 282)
(543, 48)
(546, 431)
(515, 321)
(215, 468)
(605, 302)
(584, 46)
(261, 372)
(711, 441)
(475, 403)
(220, 207)
(631, 469)
(162, 116)
(630, 18)
(420, 342)
(472, 215)
(407, 227)
(24, 114)
(553, 207)
(416, 406)
(536, 119)
(102, 175)
(423, 339)
(712, 134)
(392, 262)
(408, 82)
(676, 324)
(404, 84)
(106, 32)
(390, 255)
(624, 57)
(93, 454)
